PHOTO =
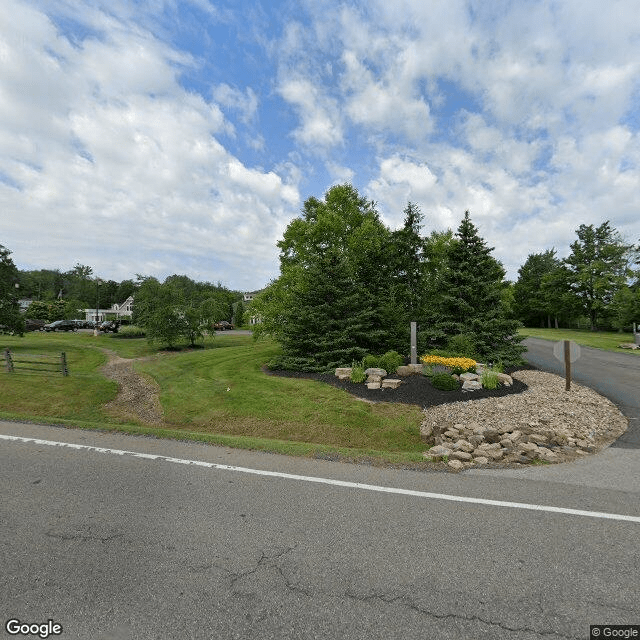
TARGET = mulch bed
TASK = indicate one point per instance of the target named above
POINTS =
(415, 389)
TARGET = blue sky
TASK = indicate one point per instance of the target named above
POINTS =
(166, 137)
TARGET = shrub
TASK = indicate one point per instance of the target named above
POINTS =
(130, 331)
(444, 382)
(357, 373)
(461, 343)
(390, 361)
(370, 362)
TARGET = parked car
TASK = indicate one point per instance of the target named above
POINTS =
(33, 324)
(223, 325)
(109, 325)
(61, 325)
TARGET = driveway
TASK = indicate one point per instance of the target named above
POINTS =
(614, 375)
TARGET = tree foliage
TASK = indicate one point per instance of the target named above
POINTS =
(329, 304)
(470, 300)
(597, 268)
(10, 318)
(179, 308)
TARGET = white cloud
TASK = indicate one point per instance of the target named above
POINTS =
(321, 122)
(116, 164)
(245, 102)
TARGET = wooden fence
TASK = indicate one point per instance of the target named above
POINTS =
(35, 363)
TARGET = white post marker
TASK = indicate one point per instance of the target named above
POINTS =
(568, 351)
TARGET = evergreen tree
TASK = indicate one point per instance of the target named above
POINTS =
(470, 304)
(330, 304)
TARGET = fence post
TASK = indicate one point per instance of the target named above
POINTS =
(63, 364)
(9, 361)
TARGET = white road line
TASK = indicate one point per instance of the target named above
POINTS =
(329, 481)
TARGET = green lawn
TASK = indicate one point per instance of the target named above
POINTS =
(257, 411)
(607, 340)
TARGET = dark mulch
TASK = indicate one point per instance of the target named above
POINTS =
(416, 389)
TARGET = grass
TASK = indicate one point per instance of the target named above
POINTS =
(607, 340)
(216, 393)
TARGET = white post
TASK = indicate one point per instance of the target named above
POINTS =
(414, 344)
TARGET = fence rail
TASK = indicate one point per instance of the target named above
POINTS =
(36, 363)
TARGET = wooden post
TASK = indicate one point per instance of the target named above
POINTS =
(567, 366)
(63, 364)
(414, 344)
(8, 360)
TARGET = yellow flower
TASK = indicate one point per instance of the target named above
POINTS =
(463, 363)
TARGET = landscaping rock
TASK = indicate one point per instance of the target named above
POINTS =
(376, 372)
(343, 371)
(461, 455)
(373, 385)
(481, 460)
(469, 376)
(456, 464)
(470, 385)
(504, 379)
(437, 452)
(391, 383)
(629, 345)
(409, 370)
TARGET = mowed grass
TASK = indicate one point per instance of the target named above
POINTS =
(216, 392)
(46, 396)
(225, 391)
(607, 340)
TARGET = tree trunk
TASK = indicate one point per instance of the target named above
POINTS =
(556, 321)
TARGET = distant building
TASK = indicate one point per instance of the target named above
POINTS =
(246, 300)
(120, 311)
(24, 304)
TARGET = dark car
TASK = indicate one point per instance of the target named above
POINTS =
(109, 325)
(33, 324)
(223, 325)
(61, 325)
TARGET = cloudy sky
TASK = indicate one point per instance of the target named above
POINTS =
(167, 136)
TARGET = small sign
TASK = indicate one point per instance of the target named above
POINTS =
(574, 350)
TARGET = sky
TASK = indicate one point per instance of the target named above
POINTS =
(168, 137)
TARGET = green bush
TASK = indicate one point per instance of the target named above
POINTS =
(357, 373)
(390, 361)
(370, 362)
(444, 382)
(130, 331)
(462, 344)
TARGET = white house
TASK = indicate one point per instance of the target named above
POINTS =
(123, 310)
(247, 297)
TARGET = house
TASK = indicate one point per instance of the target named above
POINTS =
(247, 297)
(123, 310)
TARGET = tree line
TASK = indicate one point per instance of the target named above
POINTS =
(187, 307)
(596, 285)
(350, 286)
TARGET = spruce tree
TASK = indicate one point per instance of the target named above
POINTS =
(470, 302)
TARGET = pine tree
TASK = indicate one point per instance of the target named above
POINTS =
(470, 304)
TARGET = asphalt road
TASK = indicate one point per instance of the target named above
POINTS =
(614, 375)
(115, 546)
